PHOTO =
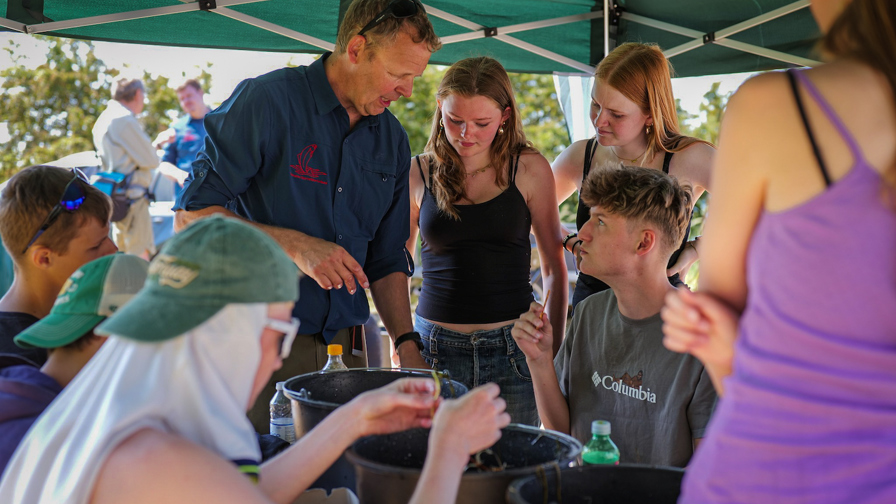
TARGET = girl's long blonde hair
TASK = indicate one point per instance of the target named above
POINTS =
(470, 77)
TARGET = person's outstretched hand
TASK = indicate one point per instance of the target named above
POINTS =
(699, 324)
(330, 265)
(534, 334)
(401, 405)
(471, 423)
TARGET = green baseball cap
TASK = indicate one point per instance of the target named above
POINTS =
(214, 262)
(93, 292)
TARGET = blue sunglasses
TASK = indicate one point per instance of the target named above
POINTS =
(72, 198)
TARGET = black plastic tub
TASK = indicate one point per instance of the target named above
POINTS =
(622, 484)
(387, 467)
(315, 395)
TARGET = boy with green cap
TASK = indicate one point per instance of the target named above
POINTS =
(92, 293)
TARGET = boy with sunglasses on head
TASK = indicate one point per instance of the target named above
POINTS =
(92, 293)
(52, 222)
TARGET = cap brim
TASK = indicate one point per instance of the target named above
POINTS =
(57, 330)
(152, 317)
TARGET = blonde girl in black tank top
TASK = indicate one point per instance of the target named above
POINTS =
(476, 191)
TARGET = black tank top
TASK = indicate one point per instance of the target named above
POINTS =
(587, 284)
(476, 269)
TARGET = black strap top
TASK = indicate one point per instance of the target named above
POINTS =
(475, 269)
(583, 213)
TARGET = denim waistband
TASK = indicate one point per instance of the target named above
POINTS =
(438, 335)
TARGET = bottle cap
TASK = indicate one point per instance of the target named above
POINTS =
(280, 385)
(600, 427)
(334, 349)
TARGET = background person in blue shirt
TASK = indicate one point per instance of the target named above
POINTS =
(185, 138)
(313, 158)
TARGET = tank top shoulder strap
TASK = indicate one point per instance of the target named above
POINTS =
(515, 164)
(590, 151)
(666, 160)
(833, 117)
(792, 77)
(420, 167)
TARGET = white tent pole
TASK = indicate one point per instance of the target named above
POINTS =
(478, 33)
(606, 28)
(12, 25)
(768, 53)
(271, 27)
(721, 36)
(764, 18)
(507, 39)
(126, 16)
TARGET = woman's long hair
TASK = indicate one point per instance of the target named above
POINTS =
(471, 77)
(643, 75)
(866, 31)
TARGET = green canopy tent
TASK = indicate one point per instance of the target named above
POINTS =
(544, 36)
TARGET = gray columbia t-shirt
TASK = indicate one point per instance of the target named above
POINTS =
(613, 368)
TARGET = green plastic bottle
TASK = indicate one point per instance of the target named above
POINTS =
(600, 450)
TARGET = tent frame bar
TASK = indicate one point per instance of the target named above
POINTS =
(479, 32)
(274, 28)
(12, 25)
(720, 37)
(126, 16)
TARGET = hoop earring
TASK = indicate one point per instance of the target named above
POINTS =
(647, 130)
(501, 128)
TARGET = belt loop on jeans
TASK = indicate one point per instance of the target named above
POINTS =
(511, 345)
(433, 338)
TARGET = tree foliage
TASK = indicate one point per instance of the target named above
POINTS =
(50, 110)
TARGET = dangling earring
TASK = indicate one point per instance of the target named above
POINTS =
(501, 129)
(648, 129)
(441, 127)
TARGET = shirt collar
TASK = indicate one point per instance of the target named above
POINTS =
(324, 98)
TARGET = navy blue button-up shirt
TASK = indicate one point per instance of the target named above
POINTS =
(280, 152)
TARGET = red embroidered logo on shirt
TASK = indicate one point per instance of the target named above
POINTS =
(302, 170)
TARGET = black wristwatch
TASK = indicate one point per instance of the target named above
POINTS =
(411, 336)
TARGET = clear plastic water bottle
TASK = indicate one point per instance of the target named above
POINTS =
(334, 359)
(600, 450)
(281, 416)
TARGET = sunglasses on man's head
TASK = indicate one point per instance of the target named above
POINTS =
(399, 9)
(289, 330)
(72, 198)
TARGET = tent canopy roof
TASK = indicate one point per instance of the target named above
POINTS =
(561, 36)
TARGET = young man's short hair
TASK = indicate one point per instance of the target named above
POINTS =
(361, 12)
(643, 194)
(29, 197)
(193, 83)
(124, 90)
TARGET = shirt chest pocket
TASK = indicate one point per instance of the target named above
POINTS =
(373, 196)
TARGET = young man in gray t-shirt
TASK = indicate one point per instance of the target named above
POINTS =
(612, 364)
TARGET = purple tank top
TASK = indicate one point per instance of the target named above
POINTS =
(810, 410)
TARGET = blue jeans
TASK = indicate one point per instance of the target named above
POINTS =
(482, 357)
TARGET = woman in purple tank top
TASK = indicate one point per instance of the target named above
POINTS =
(795, 316)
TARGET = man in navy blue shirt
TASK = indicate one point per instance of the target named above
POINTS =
(186, 136)
(312, 157)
